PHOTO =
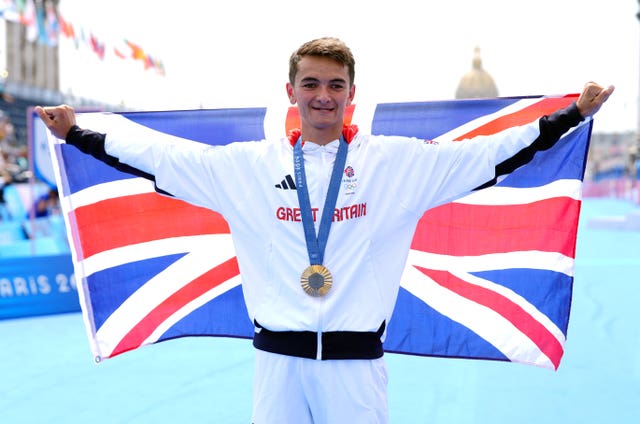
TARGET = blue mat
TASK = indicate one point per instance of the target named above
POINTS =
(47, 374)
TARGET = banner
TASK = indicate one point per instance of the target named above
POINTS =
(37, 285)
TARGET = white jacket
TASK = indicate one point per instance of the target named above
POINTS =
(388, 184)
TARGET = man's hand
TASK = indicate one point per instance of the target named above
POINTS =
(592, 98)
(58, 119)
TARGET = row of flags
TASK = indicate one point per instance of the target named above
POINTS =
(489, 276)
(45, 24)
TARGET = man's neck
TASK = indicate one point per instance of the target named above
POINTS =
(321, 136)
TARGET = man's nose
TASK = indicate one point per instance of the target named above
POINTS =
(323, 94)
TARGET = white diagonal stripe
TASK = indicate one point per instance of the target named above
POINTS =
(151, 249)
(192, 306)
(485, 119)
(158, 289)
(519, 196)
(111, 190)
(484, 321)
(532, 259)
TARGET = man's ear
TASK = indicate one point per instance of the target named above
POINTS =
(291, 94)
(352, 94)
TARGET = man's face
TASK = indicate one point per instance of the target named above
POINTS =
(322, 91)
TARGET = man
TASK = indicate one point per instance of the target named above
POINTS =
(321, 264)
(45, 205)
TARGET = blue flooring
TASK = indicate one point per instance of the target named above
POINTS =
(47, 374)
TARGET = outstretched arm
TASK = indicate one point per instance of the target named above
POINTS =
(61, 121)
(552, 127)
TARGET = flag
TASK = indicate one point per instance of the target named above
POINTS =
(489, 276)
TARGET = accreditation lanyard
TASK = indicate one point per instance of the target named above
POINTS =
(316, 245)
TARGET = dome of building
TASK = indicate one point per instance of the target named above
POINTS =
(477, 83)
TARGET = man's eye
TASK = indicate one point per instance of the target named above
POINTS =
(309, 85)
(337, 86)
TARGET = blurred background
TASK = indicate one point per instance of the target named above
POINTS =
(122, 55)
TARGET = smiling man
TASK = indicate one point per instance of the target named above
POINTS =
(321, 261)
(322, 87)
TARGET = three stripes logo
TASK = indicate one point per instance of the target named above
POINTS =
(287, 183)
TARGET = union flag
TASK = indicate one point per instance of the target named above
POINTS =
(489, 276)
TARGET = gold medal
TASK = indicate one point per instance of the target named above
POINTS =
(316, 280)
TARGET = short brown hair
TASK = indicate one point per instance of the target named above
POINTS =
(330, 47)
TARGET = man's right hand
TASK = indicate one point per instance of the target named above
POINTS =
(58, 119)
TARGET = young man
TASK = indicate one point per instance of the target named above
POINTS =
(320, 292)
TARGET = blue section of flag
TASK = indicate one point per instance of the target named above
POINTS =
(566, 160)
(86, 171)
(418, 329)
(225, 315)
(429, 120)
(550, 292)
(111, 287)
(211, 126)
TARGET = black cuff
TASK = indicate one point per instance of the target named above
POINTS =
(87, 141)
(565, 119)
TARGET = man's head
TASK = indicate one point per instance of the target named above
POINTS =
(328, 47)
(322, 86)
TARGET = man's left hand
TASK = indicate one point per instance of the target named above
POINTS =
(592, 98)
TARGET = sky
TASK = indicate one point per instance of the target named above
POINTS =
(235, 53)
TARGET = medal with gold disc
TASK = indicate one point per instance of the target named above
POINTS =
(316, 280)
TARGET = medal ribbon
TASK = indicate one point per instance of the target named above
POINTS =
(317, 245)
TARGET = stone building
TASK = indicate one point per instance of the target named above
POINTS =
(477, 83)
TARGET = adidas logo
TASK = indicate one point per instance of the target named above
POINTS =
(287, 183)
